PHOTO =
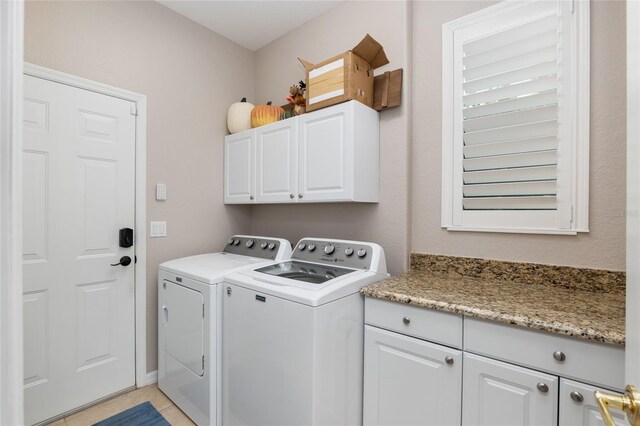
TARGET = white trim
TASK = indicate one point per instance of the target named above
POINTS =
(141, 206)
(515, 230)
(632, 354)
(11, 350)
(151, 378)
(572, 215)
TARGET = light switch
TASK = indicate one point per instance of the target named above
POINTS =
(161, 192)
(158, 229)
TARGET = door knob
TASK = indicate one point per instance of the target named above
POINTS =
(124, 261)
(629, 403)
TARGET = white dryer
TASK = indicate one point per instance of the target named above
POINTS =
(293, 336)
(189, 321)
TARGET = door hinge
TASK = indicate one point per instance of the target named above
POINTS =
(134, 110)
(202, 362)
(203, 310)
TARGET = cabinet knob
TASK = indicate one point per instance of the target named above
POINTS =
(291, 196)
(448, 360)
(406, 320)
(559, 356)
(251, 197)
(577, 397)
(299, 195)
(542, 387)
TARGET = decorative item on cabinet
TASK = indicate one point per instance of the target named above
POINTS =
(239, 116)
(265, 114)
(297, 103)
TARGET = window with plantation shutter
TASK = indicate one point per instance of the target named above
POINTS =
(516, 118)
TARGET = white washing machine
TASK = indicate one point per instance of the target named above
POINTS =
(189, 321)
(293, 336)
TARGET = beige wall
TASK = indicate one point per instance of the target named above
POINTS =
(604, 246)
(190, 76)
(277, 67)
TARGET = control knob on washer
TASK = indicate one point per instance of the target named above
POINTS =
(249, 243)
(348, 251)
(272, 246)
(311, 247)
(263, 245)
(328, 249)
(362, 252)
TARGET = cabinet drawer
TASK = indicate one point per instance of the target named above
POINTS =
(427, 324)
(592, 362)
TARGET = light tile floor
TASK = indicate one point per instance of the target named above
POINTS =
(120, 403)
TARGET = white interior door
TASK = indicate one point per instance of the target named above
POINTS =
(79, 169)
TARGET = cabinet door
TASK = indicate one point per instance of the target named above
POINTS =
(578, 406)
(408, 381)
(277, 162)
(496, 393)
(239, 168)
(326, 154)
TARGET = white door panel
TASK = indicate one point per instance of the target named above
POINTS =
(277, 162)
(585, 412)
(407, 381)
(239, 167)
(325, 157)
(496, 393)
(79, 182)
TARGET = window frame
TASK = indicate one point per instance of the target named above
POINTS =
(572, 215)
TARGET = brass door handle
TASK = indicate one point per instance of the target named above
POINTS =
(629, 403)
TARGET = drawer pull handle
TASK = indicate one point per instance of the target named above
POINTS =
(559, 356)
(577, 397)
(542, 387)
(448, 360)
(406, 320)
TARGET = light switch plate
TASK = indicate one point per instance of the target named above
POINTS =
(161, 192)
(158, 229)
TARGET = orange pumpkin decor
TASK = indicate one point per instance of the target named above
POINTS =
(265, 114)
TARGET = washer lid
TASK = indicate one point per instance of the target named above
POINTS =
(212, 267)
(312, 273)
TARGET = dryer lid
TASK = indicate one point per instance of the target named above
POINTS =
(210, 268)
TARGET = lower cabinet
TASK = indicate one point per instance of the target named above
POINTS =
(408, 381)
(487, 374)
(497, 393)
(578, 405)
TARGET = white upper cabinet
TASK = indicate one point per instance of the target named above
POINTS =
(276, 162)
(496, 393)
(330, 155)
(239, 168)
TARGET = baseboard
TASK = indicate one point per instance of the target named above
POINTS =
(151, 378)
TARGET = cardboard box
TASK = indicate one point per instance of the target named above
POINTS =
(345, 77)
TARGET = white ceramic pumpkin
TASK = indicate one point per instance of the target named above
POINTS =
(239, 116)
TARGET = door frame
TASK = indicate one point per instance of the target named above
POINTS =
(632, 348)
(140, 277)
(11, 350)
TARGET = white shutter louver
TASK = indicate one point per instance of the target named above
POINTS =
(510, 118)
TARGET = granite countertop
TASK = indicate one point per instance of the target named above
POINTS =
(582, 303)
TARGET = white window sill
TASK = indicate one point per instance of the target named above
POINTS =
(518, 230)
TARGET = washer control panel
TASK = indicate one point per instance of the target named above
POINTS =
(264, 248)
(348, 254)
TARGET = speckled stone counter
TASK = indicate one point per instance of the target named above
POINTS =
(582, 303)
